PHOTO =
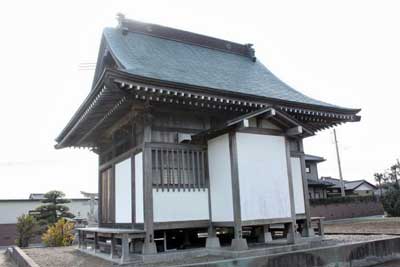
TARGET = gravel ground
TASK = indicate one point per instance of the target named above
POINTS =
(390, 226)
(64, 257)
(5, 261)
(389, 264)
(71, 257)
(338, 239)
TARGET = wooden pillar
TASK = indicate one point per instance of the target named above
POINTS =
(96, 242)
(321, 227)
(113, 246)
(84, 241)
(149, 246)
(212, 240)
(79, 239)
(291, 230)
(133, 190)
(307, 228)
(238, 242)
(100, 197)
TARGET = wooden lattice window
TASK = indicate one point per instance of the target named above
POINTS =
(179, 167)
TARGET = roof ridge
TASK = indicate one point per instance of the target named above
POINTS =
(182, 36)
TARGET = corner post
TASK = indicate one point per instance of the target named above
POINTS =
(238, 242)
(291, 230)
(309, 231)
(212, 240)
(149, 246)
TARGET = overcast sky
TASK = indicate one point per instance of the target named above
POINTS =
(343, 52)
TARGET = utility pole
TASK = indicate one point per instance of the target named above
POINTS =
(396, 167)
(339, 165)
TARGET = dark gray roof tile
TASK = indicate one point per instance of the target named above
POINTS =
(179, 62)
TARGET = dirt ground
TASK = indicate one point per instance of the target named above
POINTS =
(388, 226)
(5, 261)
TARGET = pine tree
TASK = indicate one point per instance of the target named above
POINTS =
(53, 209)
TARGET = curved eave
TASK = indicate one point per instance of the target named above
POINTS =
(82, 108)
(200, 89)
(112, 75)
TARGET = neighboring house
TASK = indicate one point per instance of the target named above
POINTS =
(194, 134)
(316, 188)
(357, 187)
(360, 188)
(36, 196)
(10, 209)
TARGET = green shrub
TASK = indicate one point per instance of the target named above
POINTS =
(59, 234)
(27, 228)
(391, 201)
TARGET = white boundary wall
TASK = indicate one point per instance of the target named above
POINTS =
(263, 177)
(123, 192)
(13, 208)
(297, 185)
(170, 206)
(220, 179)
(139, 216)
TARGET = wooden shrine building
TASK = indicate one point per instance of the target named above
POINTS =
(198, 142)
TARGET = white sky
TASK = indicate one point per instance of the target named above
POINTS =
(342, 52)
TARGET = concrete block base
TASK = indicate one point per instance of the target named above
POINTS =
(149, 248)
(239, 244)
(213, 242)
(293, 238)
(267, 237)
(311, 232)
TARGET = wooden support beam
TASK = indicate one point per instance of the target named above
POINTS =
(113, 247)
(133, 187)
(149, 246)
(96, 242)
(309, 231)
(291, 236)
(238, 242)
(298, 130)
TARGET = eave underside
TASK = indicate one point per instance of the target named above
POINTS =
(116, 95)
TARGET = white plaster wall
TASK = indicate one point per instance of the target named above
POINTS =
(139, 188)
(263, 177)
(123, 192)
(297, 185)
(170, 206)
(220, 179)
(11, 209)
(268, 125)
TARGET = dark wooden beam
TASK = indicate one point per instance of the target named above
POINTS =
(238, 243)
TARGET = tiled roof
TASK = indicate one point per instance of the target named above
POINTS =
(182, 62)
(313, 158)
(321, 183)
(351, 185)
(348, 185)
